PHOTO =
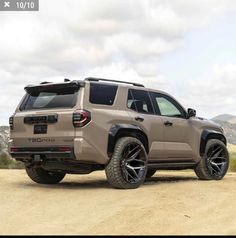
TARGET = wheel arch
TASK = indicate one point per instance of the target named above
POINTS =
(125, 130)
(208, 134)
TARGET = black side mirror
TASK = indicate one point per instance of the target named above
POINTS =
(191, 113)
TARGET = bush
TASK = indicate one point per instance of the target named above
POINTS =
(232, 163)
(6, 162)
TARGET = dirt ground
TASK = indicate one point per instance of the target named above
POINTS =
(168, 203)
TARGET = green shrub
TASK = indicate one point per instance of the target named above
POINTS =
(6, 162)
(232, 163)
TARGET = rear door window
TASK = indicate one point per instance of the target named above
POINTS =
(103, 94)
(139, 100)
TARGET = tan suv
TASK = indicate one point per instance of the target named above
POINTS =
(77, 127)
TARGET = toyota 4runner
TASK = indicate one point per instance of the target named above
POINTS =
(77, 127)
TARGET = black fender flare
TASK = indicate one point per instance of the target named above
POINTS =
(120, 130)
(208, 134)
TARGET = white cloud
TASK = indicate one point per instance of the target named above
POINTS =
(215, 94)
(122, 71)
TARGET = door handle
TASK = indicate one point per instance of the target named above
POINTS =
(168, 123)
(138, 118)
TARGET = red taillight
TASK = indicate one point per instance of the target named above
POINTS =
(81, 118)
(64, 149)
(13, 149)
(11, 122)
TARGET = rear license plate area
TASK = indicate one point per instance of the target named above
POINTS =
(40, 129)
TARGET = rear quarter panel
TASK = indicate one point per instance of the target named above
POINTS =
(103, 117)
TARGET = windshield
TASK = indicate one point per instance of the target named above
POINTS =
(50, 97)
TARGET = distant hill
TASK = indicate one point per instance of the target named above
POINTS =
(233, 121)
(228, 122)
(230, 131)
(225, 117)
(4, 137)
(6, 162)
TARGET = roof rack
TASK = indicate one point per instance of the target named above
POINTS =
(115, 81)
(45, 82)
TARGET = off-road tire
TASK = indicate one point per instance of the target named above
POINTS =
(42, 176)
(203, 171)
(150, 173)
(115, 168)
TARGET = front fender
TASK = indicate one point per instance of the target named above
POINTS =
(208, 134)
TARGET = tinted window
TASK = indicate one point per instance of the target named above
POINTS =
(139, 100)
(166, 106)
(102, 93)
(130, 101)
(50, 97)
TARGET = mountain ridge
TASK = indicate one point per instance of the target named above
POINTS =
(225, 118)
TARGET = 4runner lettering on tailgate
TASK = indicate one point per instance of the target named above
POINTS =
(41, 140)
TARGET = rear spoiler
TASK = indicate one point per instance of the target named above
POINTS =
(75, 83)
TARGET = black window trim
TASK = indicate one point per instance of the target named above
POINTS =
(172, 100)
(129, 91)
(146, 113)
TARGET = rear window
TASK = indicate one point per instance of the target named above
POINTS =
(103, 94)
(50, 97)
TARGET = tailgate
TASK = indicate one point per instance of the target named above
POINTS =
(51, 128)
(44, 117)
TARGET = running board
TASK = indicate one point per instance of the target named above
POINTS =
(172, 165)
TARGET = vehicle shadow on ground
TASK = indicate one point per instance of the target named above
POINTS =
(91, 184)
(102, 183)
(168, 179)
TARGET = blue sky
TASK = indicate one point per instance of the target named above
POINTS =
(185, 47)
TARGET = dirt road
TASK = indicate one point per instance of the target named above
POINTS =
(169, 203)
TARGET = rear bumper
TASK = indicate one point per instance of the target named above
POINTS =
(81, 150)
(44, 152)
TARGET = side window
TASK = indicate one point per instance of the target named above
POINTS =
(103, 94)
(166, 106)
(139, 100)
(130, 101)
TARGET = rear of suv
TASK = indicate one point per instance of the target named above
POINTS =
(77, 127)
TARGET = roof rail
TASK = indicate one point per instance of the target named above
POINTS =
(115, 81)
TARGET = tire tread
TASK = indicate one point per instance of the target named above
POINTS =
(42, 176)
(113, 169)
